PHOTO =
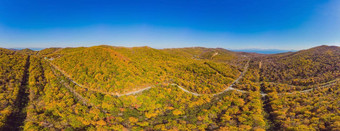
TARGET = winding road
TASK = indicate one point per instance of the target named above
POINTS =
(229, 88)
(245, 69)
(149, 87)
(77, 95)
(319, 86)
(102, 92)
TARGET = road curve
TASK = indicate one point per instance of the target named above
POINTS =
(229, 88)
(149, 87)
(102, 92)
(245, 69)
(77, 95)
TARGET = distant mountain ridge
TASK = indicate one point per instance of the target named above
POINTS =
(34, 49)
(246, 50)
(263, 51)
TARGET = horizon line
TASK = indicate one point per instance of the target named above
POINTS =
(236, 49)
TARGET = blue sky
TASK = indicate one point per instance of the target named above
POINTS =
(234, 24)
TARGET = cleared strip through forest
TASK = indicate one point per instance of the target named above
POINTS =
(16, 119)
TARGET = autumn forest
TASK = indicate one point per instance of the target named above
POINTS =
(142, 88)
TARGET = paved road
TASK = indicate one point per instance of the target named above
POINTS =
(229, 88)
(77, 95)
(323, 85)
(102, 92)
(147, 88)
(225, 90)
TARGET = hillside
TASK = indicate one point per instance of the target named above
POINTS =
(302, 68)
(13, 76)
(213, 54)
(119, 69)
(141, 88)
(26, 51)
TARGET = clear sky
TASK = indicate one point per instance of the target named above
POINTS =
(231, 24)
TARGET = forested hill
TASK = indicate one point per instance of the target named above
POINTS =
(141, 88)
(120, 69)
(4, 51)
(305, 67)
